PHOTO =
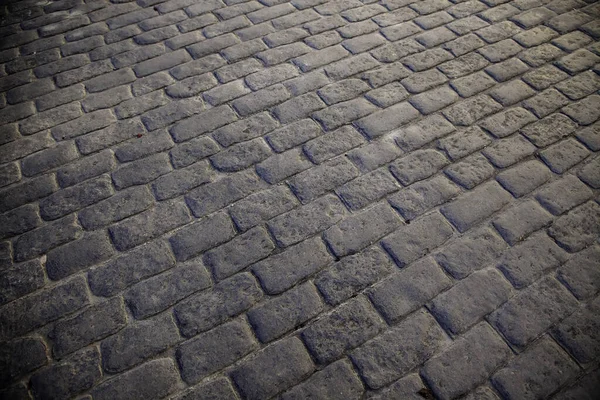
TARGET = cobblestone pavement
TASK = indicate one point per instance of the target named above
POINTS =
(345, 199)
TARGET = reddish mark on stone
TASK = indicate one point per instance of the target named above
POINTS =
(139, 135)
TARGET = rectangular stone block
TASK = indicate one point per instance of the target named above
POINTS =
(280, 272)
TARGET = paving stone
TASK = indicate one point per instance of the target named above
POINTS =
(580, 85)
(576, 230)
(472, 84)
(320, 58)
(423, 196)
(468, 209)
(94, 323)
(585, 112)
(46, 237)
(469, 300)
(390, 355)
(209, 308)
(21, 279)
(162, 379)
(87, 123)
(21, 356)
(512, 92)
(544, 77)
(468, 111)
(281, 314)
(384, 121)
(374, 154)
(404, 252)
(546, 299)
(229, 258)
(215, 349)
(343, 90)
(283, 53)
(405, 291)
(218, 389)
(524, 177)
(450, 374)
(216, 195)
(470, 253)
(563, 194)
(467, 141)
(417, 166)
(69, 377)
(367, 188)
(402, 48)
(387, 95)
(423, 132)
(332, 144)
(536, 365)
(499, 155)
(471, 171)
(331, 335)
(360, 230)
(563, 155)
(28, 313)
(580, 275)
(337, 381)
(166, 289)
(276, 280)
(519, 221)
(546, 102)
(578, 333)
(589, 174)
(386, 74)
(289, 357)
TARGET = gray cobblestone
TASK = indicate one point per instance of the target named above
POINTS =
(239, 253)
(276, 280)
(360, 230)
(315, 182)
(184, 242)
(328, 337)
(390, 356)
(579, 274)
(288, 357)
(25, 314)
(544, 360)
(166, 289)
(468, 209)
(564, 194)
(215, 349)
(451, 375)
(212, 307)
(161, 375)
(471, 299)
(577, 229)
(69, 377)
(79, 128)
(417, 166)
(128, 269)
(220, 193)
(521, 220)
(281, 314)
(92, 324)
(337, 381)
(31, 355)
(547, 299)
(405, 252)
(405, 291)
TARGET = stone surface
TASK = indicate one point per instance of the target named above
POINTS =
(201, 199)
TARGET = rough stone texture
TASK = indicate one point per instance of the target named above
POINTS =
(398, 350)
(541, 369)
(200, 188)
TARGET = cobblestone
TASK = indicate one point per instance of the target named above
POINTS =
(165, 162)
